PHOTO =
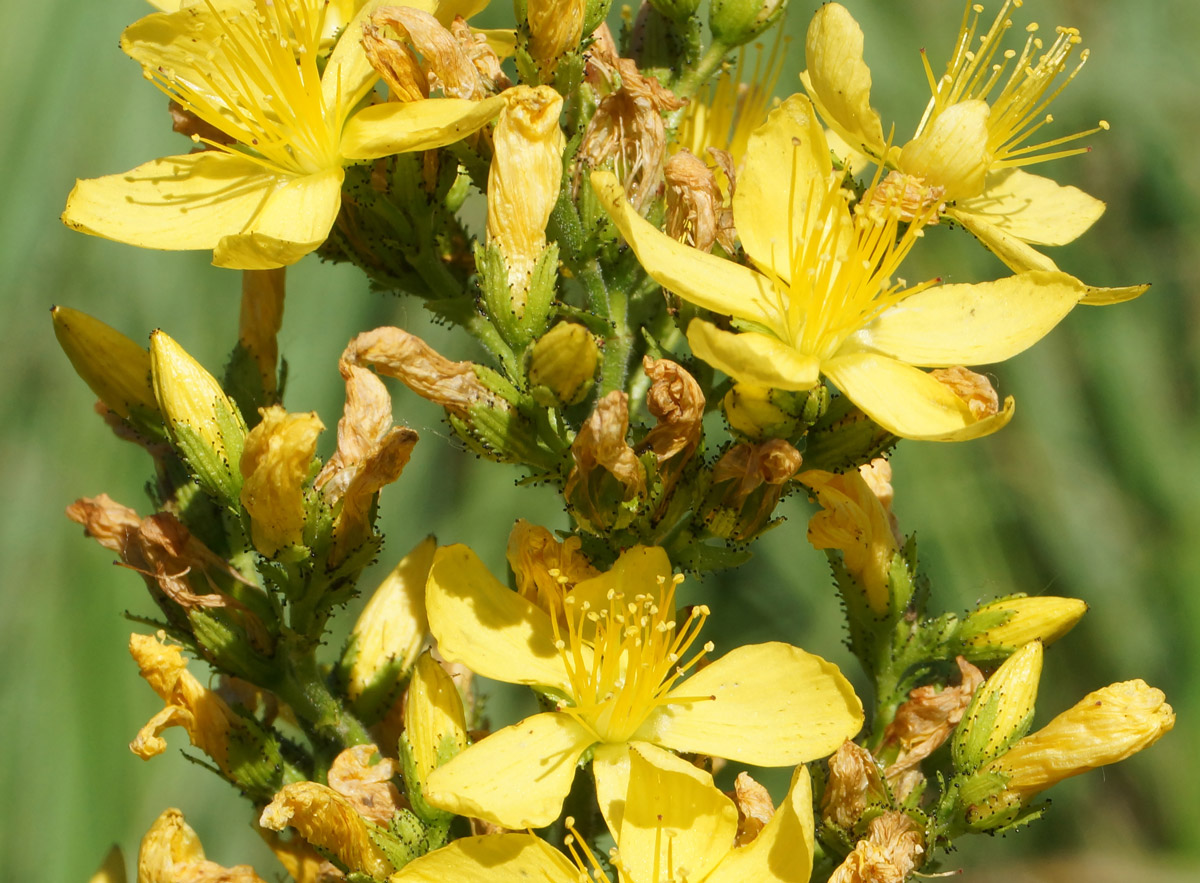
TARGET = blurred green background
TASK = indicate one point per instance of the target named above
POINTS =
(1092, 491)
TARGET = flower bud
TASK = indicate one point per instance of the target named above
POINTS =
(555, 28)
(435, 730)
(389, 634)
(1001, 711)
(855, 521)
(116, 368)
(608, 482)
(757, 412)
(562, 367)
(1000, 627)
(204, 423)
(275, 464)
(676, 10)
(113, 868)
(734, 22)
(1108, 725)
(747, 483)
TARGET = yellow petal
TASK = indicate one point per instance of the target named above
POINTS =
(752, 357)
(294, 220)
(610, 769)
(1033, 208)
(516, 777)
(113, 869)
(783, 850)
(952, 150)
(447, 10)
(1020, 256)
(404, 126)
(349, 75)
(674, 819)
(698, 277)
(488, 627)
(496, 858)
(637, 570)
(167, 42)
(908, 402)
(1099, 297)
(972, 324)
(839, 81)
(767, 704)
(785, 159)
(177, 202)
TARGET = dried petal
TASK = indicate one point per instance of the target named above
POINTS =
(367, 786)
(275, 465)
(328, 821)
(974, 389)
(754, 807)
(855, 782)
(544, 568)
(607, 472)
(260, 321)
(891, 851)
(928, 718)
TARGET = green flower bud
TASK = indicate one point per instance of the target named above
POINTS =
(1001, 710)
(203, 421)
(997, 629)
(734, 22)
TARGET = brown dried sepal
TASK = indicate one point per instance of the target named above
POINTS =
(677, 403)
(696, 210)
(423, 49)
(855, 783)
(367, 786)
(394, 352)
(893, 848)
(749, 480)
(164, 552)
(371, 453)
(924, 723)
(627, 129)
(602, 455)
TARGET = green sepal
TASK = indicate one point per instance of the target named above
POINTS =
(414, 787)
(255, 763)
(230, 647)
(845, 438)
(218, 475)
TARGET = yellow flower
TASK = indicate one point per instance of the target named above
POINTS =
(823, 297)
(251, 69)
(617, 671)
(669, 823)
(975, 136)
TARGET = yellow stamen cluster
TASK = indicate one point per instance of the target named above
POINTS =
(1019, 87)
(841, 272)
(259, 83)
(624, 658)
